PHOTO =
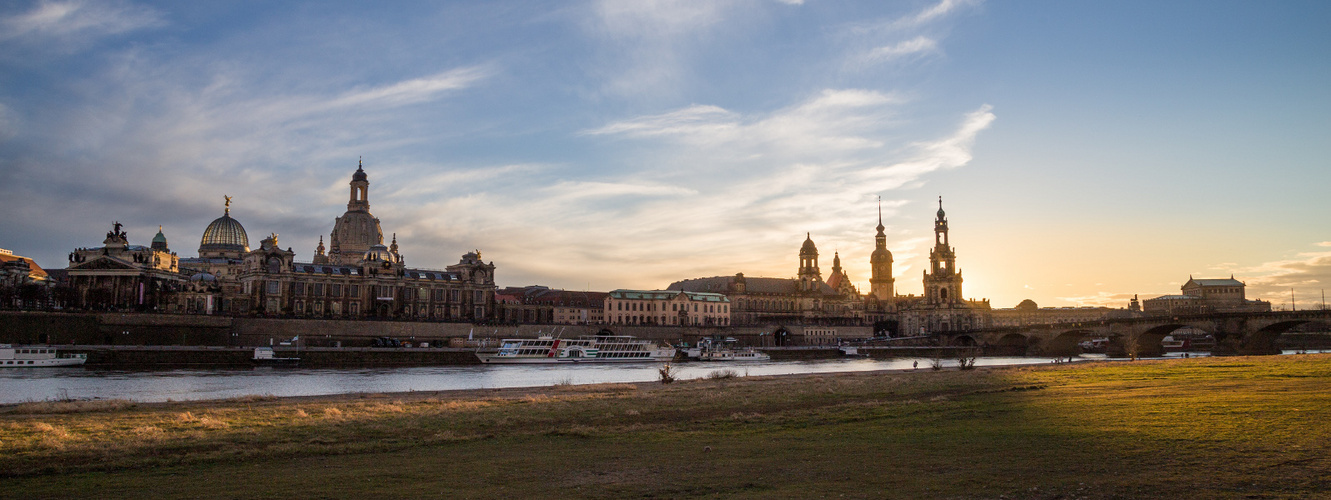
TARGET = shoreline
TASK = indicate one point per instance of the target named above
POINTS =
(523, 391)
(1225, 427)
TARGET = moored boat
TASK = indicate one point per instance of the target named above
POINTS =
(724, 350)
(37, 356)
(267, 357)
(596, 349)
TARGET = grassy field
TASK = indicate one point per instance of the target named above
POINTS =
(1253, 427)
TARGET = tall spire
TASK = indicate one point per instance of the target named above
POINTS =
(880, 215)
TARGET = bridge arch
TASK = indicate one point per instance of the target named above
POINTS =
(963, 341)
(1067, 343)
(1012, 344)
(1266, 339)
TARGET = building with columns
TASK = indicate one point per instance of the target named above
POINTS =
(118, 275)
(359, 277)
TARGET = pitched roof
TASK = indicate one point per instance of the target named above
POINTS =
(1217, 282)
(35, 270)
(723, 284)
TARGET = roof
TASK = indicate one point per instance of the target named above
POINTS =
(34, 270)
(1177, 297)
(667, 295)
(834, 281)
(723, 284)
(1216, 282)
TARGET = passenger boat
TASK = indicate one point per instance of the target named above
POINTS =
(595, 349)
(265, 356)
(1185, 340)
(741, 354)
(1097, 345)
(34, 356)
(708, 350)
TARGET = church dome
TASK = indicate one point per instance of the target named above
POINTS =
(809, 247)
(360, 174)
(159, 241)
(224, 235)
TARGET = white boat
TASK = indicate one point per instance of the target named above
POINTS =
(597, 349)
(743, 354)
(708, 350)
(266, 356)
(36, 356)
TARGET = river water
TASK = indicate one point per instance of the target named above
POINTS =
(18, 385)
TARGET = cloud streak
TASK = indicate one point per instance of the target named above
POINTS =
(77, 22)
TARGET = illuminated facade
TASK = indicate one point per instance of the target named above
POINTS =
(359, 278)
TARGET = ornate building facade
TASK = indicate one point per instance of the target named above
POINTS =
(1201, 296)
(667, 308)
(806, 300)
(359, 278)
(942, 308)
(119, 275)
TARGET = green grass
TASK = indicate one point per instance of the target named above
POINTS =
(1256, 427)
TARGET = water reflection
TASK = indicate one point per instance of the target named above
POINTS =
(42, 384)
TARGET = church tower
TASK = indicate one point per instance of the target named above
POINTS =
(809, 275)
(881, 282)
(942, 283)
(357, 230)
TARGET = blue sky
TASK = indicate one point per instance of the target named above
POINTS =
(1085, 151)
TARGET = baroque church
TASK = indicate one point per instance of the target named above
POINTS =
(358, 277)
(810, 301)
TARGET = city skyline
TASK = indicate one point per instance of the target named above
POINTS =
(1085, 153)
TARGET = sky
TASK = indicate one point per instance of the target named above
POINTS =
(1085, 152)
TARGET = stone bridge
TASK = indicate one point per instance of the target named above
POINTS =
(1235, 333)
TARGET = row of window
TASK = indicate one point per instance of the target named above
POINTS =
(638, 306)
(301, 289)
(671, 320)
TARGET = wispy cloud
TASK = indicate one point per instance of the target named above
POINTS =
(1307, 274)
(934, 12)
(650, 40)
(414, 90)
(77, 22)
(887, 41)
(917, 46)
(739, 188)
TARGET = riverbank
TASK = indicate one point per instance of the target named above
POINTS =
(1209, 427)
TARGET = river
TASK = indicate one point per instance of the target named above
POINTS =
(18, 385)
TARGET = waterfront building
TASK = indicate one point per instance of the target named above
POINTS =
(667, 308)
(1202, 296)
(359, 278)
(23, 283)
(119, 275)
(942, 308)
(805, 300)
(539, 304)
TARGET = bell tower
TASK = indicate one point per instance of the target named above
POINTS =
(881, 283)
(942, 282)
(809, 275)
